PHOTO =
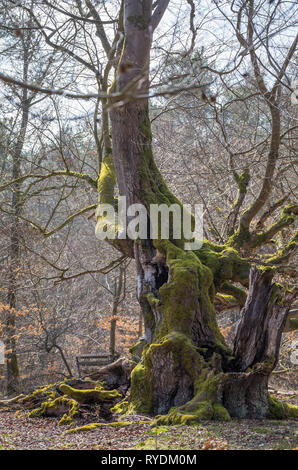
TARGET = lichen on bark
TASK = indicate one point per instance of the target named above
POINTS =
(186, 371)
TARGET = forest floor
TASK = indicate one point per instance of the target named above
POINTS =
(17, 431)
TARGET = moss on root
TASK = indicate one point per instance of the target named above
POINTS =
(92, 426)
(95, 395)
(48, 401)
(57, 407)
(204, 411)
(206, 402)
(281, 410)
(185, 300)
(205, 405)
(47, 392)
(121, 407)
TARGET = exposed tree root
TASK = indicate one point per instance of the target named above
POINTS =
(62, 400)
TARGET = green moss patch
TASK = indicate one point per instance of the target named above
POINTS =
(56, 408)
(89, 396)
(92, 426)
(281, 410)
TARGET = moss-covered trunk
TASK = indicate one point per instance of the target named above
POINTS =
(186, 371)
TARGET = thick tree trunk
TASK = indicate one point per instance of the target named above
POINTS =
(186, 370)
(188, 377)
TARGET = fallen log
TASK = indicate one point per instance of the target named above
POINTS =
(10, 401)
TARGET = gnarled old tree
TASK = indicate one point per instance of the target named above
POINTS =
(187, 371)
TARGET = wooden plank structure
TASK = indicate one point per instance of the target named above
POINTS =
(94, 360)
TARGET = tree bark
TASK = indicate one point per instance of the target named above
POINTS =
(262, 322)
(187, 372)
(256, 346)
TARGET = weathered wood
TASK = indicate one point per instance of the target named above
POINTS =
(115, 375)
(262, 322)
(10, 401)
(176, 292)
(256, 347)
